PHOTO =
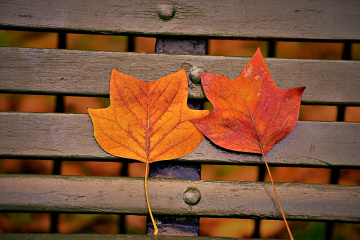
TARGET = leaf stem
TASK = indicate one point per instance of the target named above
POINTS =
(147, 199)
(277, 197)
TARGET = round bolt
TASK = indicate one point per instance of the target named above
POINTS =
(192, 196)
(165, 11)
(194, 74)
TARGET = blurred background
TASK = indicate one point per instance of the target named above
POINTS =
(239, 228)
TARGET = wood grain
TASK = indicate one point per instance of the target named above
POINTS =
(70, 72)
(70, 136)
(218, 198)
(281, 19)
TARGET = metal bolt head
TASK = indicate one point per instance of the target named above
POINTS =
(192, 196)
(165, 11)
(194, 74)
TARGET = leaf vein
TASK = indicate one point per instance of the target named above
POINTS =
(272, 120)
(120, 142)
(173, 146)
(114, 121)
(127, 106)
(165, 109)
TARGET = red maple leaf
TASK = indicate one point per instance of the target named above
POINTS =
(251, 114)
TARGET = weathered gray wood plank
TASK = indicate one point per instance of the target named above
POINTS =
(217, 198)
(283, 19)
(39, 236)
(69, 72)
(70, 136)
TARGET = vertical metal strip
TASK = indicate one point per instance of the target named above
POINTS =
(175, 225)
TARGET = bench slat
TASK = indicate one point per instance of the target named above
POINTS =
(70, 136)
(70, 72)
(82, 236)
(281, 19)
(80, 194)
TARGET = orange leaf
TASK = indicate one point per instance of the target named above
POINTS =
(250, 113)
(147, 121)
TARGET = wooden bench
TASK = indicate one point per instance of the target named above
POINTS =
(181, 28)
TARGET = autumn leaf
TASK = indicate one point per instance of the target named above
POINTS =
(147, 121)
(250, 113)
